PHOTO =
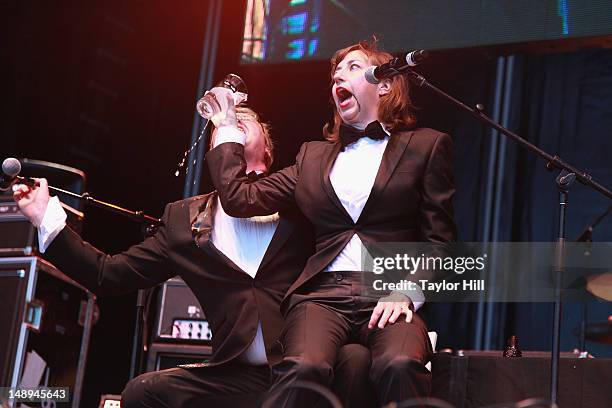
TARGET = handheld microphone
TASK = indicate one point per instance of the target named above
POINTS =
(11, 168)
(374, 74)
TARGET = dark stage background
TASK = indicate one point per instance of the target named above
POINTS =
(110, 88)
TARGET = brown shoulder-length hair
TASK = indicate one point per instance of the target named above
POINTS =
(395, 109)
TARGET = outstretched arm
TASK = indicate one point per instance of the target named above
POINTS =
(141, 266)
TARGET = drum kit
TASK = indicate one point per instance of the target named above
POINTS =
(601, 287)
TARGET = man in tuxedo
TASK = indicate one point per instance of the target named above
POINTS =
(378, 178)
(239, 269)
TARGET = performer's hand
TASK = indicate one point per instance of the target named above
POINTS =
(32, 201)
(389, 309)
(227, 115)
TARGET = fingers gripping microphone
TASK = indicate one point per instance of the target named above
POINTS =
(389, 69)
(10, 170)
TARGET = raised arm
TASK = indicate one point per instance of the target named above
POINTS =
(242, 197)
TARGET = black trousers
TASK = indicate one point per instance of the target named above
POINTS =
(240, 385)
(332, 311)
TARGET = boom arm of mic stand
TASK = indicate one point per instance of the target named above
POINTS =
(552, 162)
(585, 235)
(149, 223)
(133, 215)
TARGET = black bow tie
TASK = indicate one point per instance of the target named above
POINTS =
(350, 135)
(254, 176)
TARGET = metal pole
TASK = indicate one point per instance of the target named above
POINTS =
(495, 310)
(209, 52)
(82, 363)
(480, 326)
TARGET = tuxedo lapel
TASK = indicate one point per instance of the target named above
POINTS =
(201, 211)
(283, 231)
(200, 217)
(393, 152)
(326, 166)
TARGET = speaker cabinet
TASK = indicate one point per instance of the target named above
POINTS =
(180, 317)
(166, 355)
(39, 322)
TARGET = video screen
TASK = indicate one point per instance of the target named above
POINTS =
(292, 30)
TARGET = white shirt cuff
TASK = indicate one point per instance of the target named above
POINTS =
(53, 222)
(416, 296)
(227, 134)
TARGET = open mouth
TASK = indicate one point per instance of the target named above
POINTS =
(344, 95)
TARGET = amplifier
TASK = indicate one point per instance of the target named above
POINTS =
(180, 316)
(110, 401)
(167, 355)
(41, 339)
(17, 235)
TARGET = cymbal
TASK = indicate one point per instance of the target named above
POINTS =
(600, 285)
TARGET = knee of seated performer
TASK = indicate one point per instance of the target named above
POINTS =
(353, 359)
(310, 369)
(397, 365)
(139, 389)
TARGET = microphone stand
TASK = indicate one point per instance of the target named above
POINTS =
(149, 223)
(568, 174)
(587, 236)
(149, 227)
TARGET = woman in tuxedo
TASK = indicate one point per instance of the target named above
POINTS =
(377, 178)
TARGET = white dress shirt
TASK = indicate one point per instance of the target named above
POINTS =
(53, 223)
(243, 240)
(352, 177)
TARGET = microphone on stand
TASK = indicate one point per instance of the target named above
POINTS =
(389, 69)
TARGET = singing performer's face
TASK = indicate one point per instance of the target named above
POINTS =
(355, 98)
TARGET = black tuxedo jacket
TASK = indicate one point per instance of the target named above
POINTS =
(232, 301)
(410, 200)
